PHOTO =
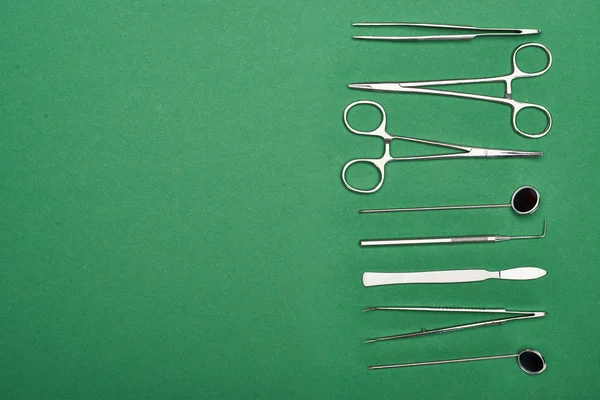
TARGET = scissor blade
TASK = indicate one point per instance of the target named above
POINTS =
(378, 87)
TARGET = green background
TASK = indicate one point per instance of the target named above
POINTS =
(173, 223)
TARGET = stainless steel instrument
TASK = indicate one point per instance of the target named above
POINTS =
(514, 316)
(524, 201)
(381, 162)
(465, 36)
(530, 361)
(449, 240)
(455, 276)
(517, 73)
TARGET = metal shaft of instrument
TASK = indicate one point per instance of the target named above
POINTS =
(461, 239)
(457, 239)
(442, 330)
(442, 362)
(515, 316)
(384, 210)
(465, 36)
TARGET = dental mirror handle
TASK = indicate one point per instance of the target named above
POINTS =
(383, 210)
(459, 360)
(524, 201)
(530, 361)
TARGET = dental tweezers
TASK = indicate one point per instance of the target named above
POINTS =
(516, 316)
(469, 36)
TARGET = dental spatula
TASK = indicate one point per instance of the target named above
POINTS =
(455, 276)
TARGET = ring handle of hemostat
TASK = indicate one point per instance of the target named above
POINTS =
(520, 106)
(519, 73)
(378, 163)
(379, 131)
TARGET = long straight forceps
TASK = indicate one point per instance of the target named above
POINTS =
(466, 36)
(515, 316)
(380, 163)
(517, 106)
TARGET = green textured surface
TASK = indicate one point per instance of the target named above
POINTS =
(173, 224)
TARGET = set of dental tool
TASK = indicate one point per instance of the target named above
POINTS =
(525, 200)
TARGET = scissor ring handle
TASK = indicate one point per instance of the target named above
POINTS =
(518, 107)
(379, 131)
(378, 163)
(518, 72)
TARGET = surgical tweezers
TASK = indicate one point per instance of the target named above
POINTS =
(517, 315)
(470, 36)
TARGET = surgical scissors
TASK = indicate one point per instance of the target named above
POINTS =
(381, 162)
(517, 106)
